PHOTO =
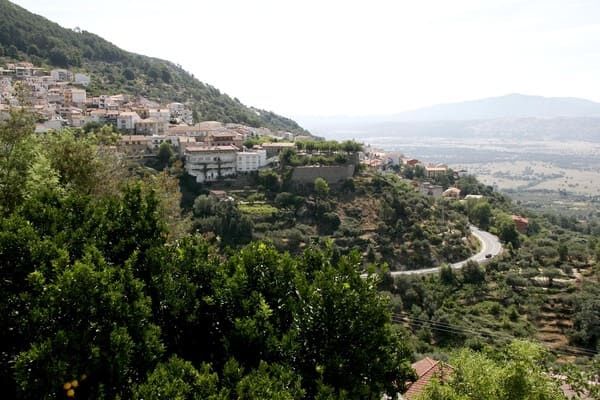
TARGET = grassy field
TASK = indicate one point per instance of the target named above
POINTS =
(537, 176)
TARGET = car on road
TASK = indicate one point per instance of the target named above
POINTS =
(488, 255)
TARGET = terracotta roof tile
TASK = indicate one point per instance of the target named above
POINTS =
(426, 369)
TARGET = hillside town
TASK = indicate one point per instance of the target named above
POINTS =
(211, 150)
(58, 98)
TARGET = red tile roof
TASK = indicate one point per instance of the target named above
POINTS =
(424, 365)
(426, 370)
(518, 218)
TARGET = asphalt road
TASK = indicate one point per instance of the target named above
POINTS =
(489, 245)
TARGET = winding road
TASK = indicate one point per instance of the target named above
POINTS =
(490, 244)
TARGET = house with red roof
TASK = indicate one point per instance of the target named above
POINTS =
(426, 370)
(521, 223)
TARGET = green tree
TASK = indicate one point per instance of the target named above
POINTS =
(16, 157)
(270, 382)
(447, 275)
(563, 252)
(204, 206)
(508, 233)
(22, 251)
(583, 380)
(42, 177)
(519, 374)
(12, 52)
(288, 200)
(328, 223)
(269, 180)
(586, 316)
(340, 310)
(93, 319)
(128, 74)
(75, 160)
(59, 57)
(419, 172)
(551, 273)
(178, 379)
(321, 188)
(473, 273)
(224, 219)
(480, 213)
(286, 157)
(165, 154)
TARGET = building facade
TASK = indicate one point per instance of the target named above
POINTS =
(126, 121)
(248, 161)
(210, 163)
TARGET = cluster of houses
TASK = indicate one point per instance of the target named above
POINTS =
(383, 160)
(211, 149)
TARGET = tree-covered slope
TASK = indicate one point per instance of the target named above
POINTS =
(27, 36)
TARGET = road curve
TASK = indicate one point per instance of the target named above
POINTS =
(490, 244)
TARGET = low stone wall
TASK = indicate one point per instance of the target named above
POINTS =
(331, 173)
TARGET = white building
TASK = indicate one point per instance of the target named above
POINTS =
(148, 126)
(289, 136)
(82, 79)
(126, 121)
(75, 96)
(162, 116)
(187, 130)
(79, 121)
(61, 75)
(176, 108)
(251, 160)
(180, 113)
(208, 164)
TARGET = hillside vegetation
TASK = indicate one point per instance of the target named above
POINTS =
(27, 36)
(108, 291)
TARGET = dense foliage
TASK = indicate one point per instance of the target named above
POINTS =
(24, 35)
(108, 291)
(98, 298)
(380, 215)
(520, 373)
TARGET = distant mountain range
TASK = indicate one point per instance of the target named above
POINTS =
(509, 106)
(513, 115)
(26, 36)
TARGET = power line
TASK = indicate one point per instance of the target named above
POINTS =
(456, 329)
(431, 325)
(464, 330)
(569, 350)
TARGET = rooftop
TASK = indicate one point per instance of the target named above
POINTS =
(139, 138)
(208, 149)
(128, 114)
(519, 219)
(224, 134)
(426, 370)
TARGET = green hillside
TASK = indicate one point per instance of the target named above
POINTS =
(27, 36)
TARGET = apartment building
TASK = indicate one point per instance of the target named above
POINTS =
(248, 161)
(209, 163)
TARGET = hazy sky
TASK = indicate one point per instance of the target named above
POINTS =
(349, 57)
